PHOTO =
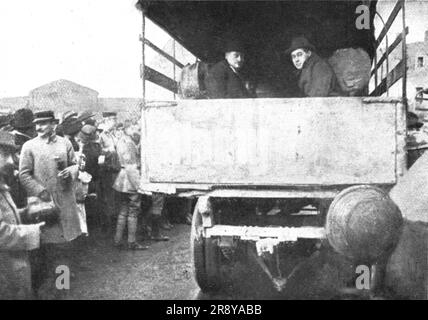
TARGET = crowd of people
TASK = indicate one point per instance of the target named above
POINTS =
(61, 180)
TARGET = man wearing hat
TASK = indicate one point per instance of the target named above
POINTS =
(48, 170)
(70, 129)
(224, 80)
(316, 77)
(89, 146)
(23, 130)
(16, 239)
(67, 117)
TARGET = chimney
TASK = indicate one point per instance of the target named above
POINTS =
(426, 36)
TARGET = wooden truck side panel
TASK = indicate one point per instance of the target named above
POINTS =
(279, 142)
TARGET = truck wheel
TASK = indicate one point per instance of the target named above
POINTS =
(205, 257)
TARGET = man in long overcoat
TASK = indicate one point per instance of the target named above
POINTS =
(224, 80)
(16, 239)
(316, 77)
(48, 170)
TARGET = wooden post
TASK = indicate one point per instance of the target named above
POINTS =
(143, 140)
(143, 62)
(173, 65)
(404, 54)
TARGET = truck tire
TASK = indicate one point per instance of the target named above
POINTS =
(205, 257)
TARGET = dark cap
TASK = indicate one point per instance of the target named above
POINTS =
(44, 116)
(299, 43)
(233, 45)
(7, 140)
(87, 133)
(23, 119)
(109, 114)
(90, 121)
(71, 126)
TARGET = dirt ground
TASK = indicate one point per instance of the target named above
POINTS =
(161, 272)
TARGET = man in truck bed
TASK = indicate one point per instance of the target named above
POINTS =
(224, 80)
(316, 77)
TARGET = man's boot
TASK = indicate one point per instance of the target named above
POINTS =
(156, 226)
(132, 235)
(120, 228)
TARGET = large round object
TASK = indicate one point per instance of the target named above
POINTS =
(205, 256)
(352, 68)
(363, 224)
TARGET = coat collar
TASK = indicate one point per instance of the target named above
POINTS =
(311, 61)
(51, 139)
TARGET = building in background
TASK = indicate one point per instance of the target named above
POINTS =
(63, 95)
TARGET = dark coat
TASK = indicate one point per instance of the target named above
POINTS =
(222, 82)
(92, 151)
(15, 242)
(317, 78)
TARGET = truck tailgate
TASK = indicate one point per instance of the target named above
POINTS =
(279, 142)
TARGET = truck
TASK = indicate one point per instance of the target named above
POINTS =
(278, 178)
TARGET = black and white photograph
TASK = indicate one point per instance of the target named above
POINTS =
(194, 151)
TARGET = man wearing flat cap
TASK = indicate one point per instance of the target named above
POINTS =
(16, 239)
(48, 170)
(224, 80)
(316, 77)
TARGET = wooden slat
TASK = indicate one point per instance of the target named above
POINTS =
(390, 21)
(163, 53)
(281, 194)
(160, 79)
(395, 75)
(391, 48)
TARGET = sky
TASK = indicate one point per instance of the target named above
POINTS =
(93, 43)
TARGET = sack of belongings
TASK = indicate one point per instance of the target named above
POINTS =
(352, 68)
(192, 80)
